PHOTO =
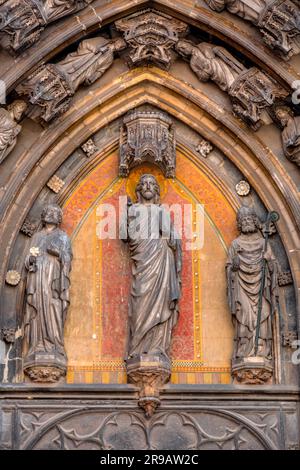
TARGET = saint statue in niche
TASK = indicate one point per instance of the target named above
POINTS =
(48, 266)
(252, 299)
(156, 256)
(155, 252)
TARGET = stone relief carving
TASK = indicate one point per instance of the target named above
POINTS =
(290, 133)
(28, 227)
(289, 338)
(130, 430)
(12, 278)
(253, 300)
(55, 184)
(285, 278)
(22, 21)
(151, 35)
(8, 335)
(51, 87)
(250, 90)
(155, 251)
(147, 136)
(89, 147)
(278, 21)
(48, 265)
(204, 148)
(9, 127)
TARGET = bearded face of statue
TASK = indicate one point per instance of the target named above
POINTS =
(147, 189)
(247, 224)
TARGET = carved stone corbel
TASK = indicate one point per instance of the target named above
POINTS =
(277, 20)
(251, 91)
(150, 35)
(52, 86)
(23, 21)
(147, 136)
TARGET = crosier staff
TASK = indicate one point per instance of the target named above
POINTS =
(272, 217)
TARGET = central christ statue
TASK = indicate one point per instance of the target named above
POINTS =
(155, 251)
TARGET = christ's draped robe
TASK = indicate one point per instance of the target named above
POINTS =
(155, 290)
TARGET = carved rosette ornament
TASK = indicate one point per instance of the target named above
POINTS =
(12, 278)
(147, 136)
(89, 147)
(22, 21)
(204, 148)
(243, 188)
(151, 35)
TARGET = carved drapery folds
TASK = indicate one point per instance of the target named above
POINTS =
(155, 251)
(151, 35)
(51, 87)
(147, 136)
(252, 288)
(277, 20)
(9, 127)
(48, 265)
(22, 21)
(250, 90)
(290, 134)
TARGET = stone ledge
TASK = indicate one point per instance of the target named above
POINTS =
(169, 392)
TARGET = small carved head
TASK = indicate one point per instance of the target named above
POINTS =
(119, 44)
(52, 214)
(184, 47)
(17, 109)
(283, 114)
(148, 189)
(247, 220)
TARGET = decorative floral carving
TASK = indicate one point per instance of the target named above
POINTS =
(12, 278)
(55, 184)
(44, 374)
(89, 148)
(204, 148)
(243, 188)
(285, 278)
(253, 376)
(28, 227)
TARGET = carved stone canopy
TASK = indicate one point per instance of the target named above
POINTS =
(147, 136)
(151, 35)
